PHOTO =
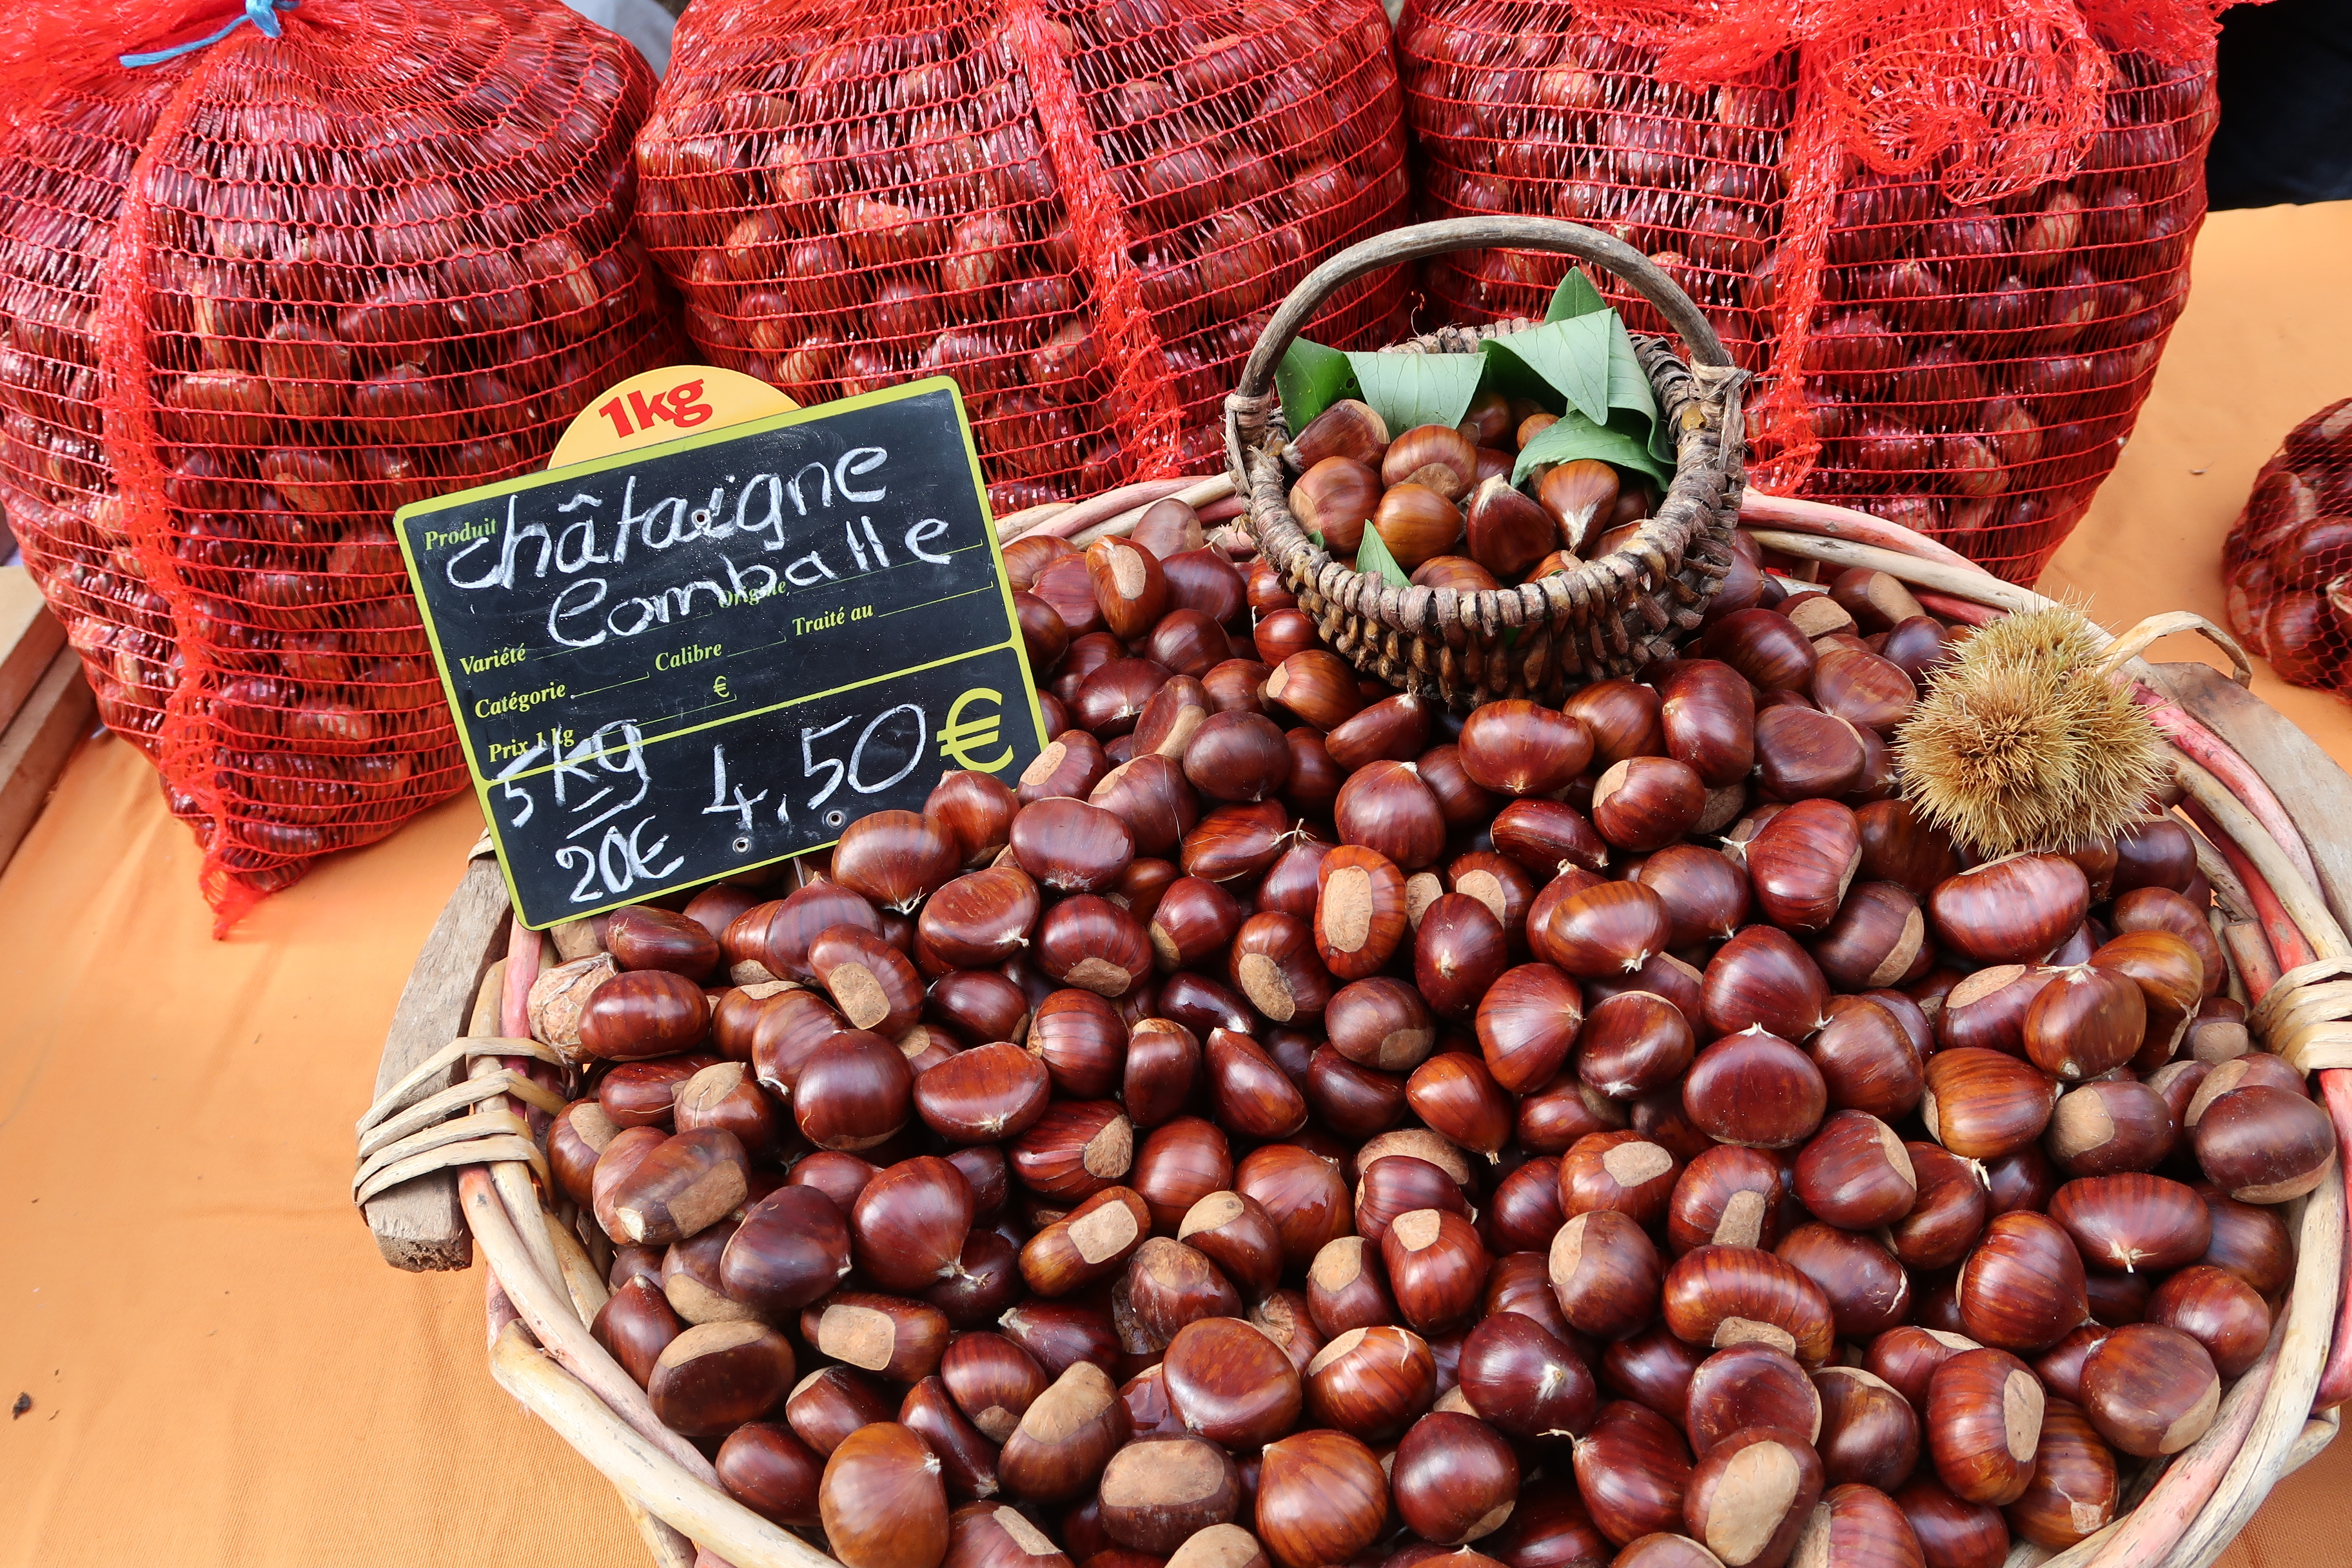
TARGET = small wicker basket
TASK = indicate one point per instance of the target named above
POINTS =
(1610, 616)
(450, 1167)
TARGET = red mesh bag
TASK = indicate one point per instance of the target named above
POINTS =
(1952, 236)
(2288, 558)
(1083, 212)
(258, 295)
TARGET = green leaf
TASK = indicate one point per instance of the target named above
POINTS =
(1571, 356)
(1623, 442)
(1575, 297)
(1310, 379)
(1408, 390)
(1630, 389)
(1372, 557)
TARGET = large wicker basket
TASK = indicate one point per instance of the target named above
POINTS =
(2267, 802)
(1609, 617)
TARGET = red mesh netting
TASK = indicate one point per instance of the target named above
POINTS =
(2288, 558)
(1967, 222)
(256, 298)
(1084, 213)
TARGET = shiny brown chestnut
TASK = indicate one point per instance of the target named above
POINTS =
(1751, 1495)
(1983, 1416)
(882, 1500)
(1231, 1384)
(1869, 1432)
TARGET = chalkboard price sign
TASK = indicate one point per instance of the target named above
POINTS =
(695, 658)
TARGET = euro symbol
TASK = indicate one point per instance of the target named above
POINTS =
(960, 734)
(718, 687)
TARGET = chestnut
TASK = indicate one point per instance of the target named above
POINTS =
(2263, 1144)
(1755, 1088)
(1619, 1170)
(908, 1227)
(2072, 1492)
(1235, 1233)
(1869, 1431)
(1372, 1381)
(2010, 910)
(1159, 1492)
(1437, 1268)
(1600, 928)
(2134, 1221)
(2219, 1310)
(980, 1096)
(992, 1380)
(1075, 1149)
(1951, 1532)
(1272, 962)
(830, 1403)
(770, 1472)
(1865, 1283)
(1981, 1104)
(896, 858)
(1750, 1384)
(1635, 1043)
(967, 1459)
(1855, 1172)
(1181, 1163)
(1607, 1276)
(889, 1336)
(1950, 1212)
(1706, 896)
(1707, 715)
(882, 1501)
(1802, 862)
(1359, 912)
(635, 1324)
(1519, 748)
(1729, 1195)
(998, 1535)
(1064, 1438)
(2150, 1390)
(855, 1093)
(1519, 1376)
(1454, 1094)
(1251, 1094)
(1751, 1495)
(1761, 979)
(680, 1185)
(1302, 1193)
(1322, 1498)
(1724, 1295)
(1231, 1384)
(1868, 1061)
(1090, 1243)
(1984, 1422)
(713, 1377)
(1632, 1469)
(1459, 951)
(1454, 1479)
(2022, 1287)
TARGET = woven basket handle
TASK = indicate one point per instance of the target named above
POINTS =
(1417, 241)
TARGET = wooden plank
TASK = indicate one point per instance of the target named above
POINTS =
(29, 639)
(35, 744)
(418, 1224)
(2317, 792)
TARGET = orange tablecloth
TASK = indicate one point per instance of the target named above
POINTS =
(221, 1370)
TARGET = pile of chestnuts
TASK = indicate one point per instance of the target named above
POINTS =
(1291, 1126)
(1441, 499)
(2288, 558)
